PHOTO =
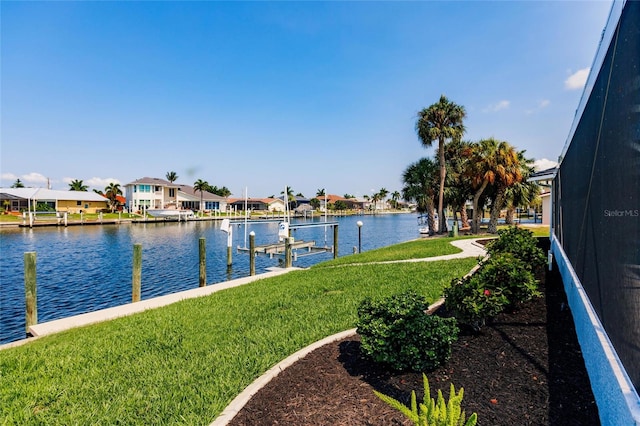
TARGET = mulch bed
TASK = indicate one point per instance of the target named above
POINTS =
(525, 368)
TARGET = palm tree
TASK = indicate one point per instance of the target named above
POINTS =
(521, 193)
(508, 173)
(320, 193)
(395, 196)
(290, 197)
(111, 192)
(441, 122)
(224, 192)
(421, 185)
(17, 184)
(77, 185)
(172, 177)
(200, 185)
(383, 195)
(375, 198)
(459, 187)
(492, 162)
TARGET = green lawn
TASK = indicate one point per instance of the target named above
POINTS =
(182, 364)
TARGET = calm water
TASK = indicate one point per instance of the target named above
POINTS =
(86, 268)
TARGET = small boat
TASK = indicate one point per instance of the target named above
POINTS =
(171, 213)
(423, 223)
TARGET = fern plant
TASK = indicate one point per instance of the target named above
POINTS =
(431, 412)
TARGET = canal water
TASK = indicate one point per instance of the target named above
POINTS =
(86, 268)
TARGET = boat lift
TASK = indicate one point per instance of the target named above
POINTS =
(288, 243)
(287, 246)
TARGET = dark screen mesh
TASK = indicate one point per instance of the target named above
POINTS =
(597, 193)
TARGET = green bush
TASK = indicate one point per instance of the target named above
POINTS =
(430, 412)
(521, 243)
(472, 302)
(511, 275)
(501, 282)
(396, 331)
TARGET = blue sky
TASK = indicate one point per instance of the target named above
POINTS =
(266, 94)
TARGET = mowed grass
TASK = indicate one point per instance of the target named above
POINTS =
(183, 364)
(415, 249)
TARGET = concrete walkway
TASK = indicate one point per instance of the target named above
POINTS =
(469, 247)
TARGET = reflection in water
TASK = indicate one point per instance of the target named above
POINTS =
(86, 268)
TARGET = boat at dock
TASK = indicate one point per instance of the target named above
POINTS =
(171, 213)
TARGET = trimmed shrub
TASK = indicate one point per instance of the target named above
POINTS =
(397, 332)
(502, 282)
(521, 243)
(471, 302)
(511, 275)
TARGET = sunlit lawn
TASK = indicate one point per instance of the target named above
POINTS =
(182, 364)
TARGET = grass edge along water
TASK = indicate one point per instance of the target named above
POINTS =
(185, 362)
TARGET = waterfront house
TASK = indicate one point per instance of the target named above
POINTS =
(155, 193)
(351, 203)
(25, 199)
(257, 204)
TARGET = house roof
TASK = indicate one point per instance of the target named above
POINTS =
(547, 174)
(297, 199)
(190, 193)
(152, 181)
(331, 198)
(52, 194)
(256, 200)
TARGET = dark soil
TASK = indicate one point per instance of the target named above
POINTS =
(525, 368)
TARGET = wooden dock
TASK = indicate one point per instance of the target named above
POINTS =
(279, 249)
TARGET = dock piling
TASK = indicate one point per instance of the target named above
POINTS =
(30, 289)
(203, 262)
(137, 273)
(252, 253)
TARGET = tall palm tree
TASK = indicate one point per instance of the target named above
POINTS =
(77, 185)
(421, 185)
(442, 121)
(172, 177)
(290, 197)
(111, 192)
(375, 198)
(201, 185)
(459, 187)
(395, 196)
(383, 195)
(17, 184)
(522, 193)
(509, 172)
(320, 193)
(492, 162)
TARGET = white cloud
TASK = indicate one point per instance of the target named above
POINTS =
(577, 80)
(8, 176)
(94, 182)
(34, 177)
(101, 183)
(503, 104)
(544, 164)
(541, 105)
